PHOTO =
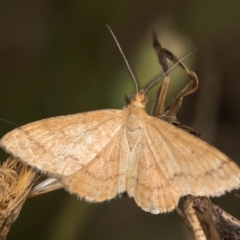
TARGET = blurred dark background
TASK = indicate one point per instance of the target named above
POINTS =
(58, 58)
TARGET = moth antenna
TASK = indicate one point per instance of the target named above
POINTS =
(1, 119)
(154, 82)
(125, 59)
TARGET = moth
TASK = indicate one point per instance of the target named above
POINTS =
(101, 154)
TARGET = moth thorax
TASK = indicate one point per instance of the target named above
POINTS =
(133, 129)
(139, 100)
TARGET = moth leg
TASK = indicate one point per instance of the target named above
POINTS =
(48, 185)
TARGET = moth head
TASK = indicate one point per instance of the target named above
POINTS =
(139, 100)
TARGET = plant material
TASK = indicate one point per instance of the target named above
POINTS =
(16, 182)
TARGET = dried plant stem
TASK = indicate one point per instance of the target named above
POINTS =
(191, 216)
(16, 181)
(221, 224)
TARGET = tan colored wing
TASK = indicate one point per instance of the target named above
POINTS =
(175, 164)
(148, 181)
(105, 175)
(63, 145)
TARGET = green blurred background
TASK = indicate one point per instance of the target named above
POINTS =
(58, 58)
